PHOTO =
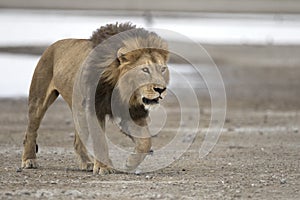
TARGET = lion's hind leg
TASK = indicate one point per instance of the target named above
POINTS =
(86, 161)
(42, 94)
(37, 109)
(80, 150)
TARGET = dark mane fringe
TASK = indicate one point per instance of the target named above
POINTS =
(104, 32)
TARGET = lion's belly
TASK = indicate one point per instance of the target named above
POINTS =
(68, 57)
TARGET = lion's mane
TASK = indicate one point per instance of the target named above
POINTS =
(132, 40)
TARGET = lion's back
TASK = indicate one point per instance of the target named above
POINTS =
(67, 56)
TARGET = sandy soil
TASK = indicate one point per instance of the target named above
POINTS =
(256, 157)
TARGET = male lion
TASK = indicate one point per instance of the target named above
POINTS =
(56, 71)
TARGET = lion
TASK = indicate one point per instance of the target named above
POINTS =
(55, 75)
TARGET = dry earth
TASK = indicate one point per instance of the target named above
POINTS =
(256, 157)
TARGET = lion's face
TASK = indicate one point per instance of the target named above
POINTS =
(144, 81)
(150, 94)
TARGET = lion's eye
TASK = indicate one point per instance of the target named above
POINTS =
(163, 69)
(146, 70)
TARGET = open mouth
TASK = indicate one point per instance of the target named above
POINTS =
(151, 101)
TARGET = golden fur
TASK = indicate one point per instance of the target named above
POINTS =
(55, 75)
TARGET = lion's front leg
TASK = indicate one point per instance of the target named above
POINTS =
(139, 132)
(141, 150)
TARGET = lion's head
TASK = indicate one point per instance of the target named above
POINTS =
(138, 69)
(143, 77)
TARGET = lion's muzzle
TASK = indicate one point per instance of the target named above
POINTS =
(159, 90)
(160, 95)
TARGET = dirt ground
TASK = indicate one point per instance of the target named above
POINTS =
(256, 156)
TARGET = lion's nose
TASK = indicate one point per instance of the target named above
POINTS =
(159, 90)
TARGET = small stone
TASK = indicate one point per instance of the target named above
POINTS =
(19, 169)
(295, 130)
(283, 181)
(137, 172)
(74, 193)
(26, 193)
(237, 195)
(230, 129)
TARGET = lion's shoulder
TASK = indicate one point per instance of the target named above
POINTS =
(104, 32)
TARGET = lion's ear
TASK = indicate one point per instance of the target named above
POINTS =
(121, 54)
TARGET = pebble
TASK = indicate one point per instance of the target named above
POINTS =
(26, 193)
(295, 130)
(137, 172)
(230, 129)
(19, 169)
(75, 193)
(71, 135)
(188, 139)
(53, 182)
(283, 181)
(148, 177)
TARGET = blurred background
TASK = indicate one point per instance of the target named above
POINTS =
(255, 44)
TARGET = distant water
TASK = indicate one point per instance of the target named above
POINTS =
(45, 27)
(16, 72)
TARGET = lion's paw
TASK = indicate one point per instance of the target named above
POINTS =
(130, 169)
(133, 161)
(103, 170)
(29, 164)
(87, 166)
